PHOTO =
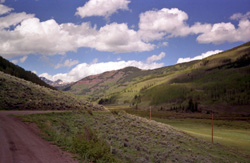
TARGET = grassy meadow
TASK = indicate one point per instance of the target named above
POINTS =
(115, 136)
(233, 134)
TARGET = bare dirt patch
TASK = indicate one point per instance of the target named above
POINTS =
(20, 142)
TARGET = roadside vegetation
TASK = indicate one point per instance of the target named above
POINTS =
(115, 136)
(229, 130)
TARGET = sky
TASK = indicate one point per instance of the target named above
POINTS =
(72, 39)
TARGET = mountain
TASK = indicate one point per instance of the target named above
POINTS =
(220, 82)
(96, 85)
(57, 84)
(12, 69)
(20, 94)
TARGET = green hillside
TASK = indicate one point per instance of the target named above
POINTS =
(19, 94)
(12, 69)
(220, 82)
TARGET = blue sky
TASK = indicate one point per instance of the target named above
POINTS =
(69, 40)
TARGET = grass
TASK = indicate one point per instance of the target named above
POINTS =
(119, 137)
(19, 94)
(232, 134)
(67, 131)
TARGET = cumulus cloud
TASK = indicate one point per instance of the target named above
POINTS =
(155, 57)
(67, 63)
(166, 23)
(82, 70)
(226, 32)
(102, 7)
(239, 16)
(199, 57)
(22, 34)
(4, 9)
(120, 39)
(31, 36)
(157, 24)
(13, 19)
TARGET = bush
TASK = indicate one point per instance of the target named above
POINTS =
(89, 147)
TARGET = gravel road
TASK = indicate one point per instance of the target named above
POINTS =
(21, 143)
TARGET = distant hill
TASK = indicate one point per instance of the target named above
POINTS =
(220, 82)
(97, 84)
(12, 69)
(20, 94)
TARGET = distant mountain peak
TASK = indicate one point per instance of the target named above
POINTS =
(57, 83)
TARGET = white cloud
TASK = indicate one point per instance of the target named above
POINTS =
(31, 36)
(94, 61)
(21, 60)
(14, 61)
(2, 1)
(226, 32)
(34, 72)
(165, 44)
(199, 57)
(157, 24)
(4, 9)
(102, 7)
(13, 19)
(239, 16)
(155, 57)
(166, 23)
(67, 63)
(82, 70)
(120, 39)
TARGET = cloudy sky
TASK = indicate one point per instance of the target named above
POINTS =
(71, 39)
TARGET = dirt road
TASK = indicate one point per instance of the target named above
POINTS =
(20, 143)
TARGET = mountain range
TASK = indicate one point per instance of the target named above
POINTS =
(218, 83)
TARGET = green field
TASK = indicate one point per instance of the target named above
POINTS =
(115, 136)
(234, 135)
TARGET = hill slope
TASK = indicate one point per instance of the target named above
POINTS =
(217, 82)
(96, 84)
(12, 69)
(19, 94)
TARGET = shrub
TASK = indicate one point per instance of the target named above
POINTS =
(89, 147)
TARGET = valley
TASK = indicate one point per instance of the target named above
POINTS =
(105, 117)
(220, 84)
(124, 81)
